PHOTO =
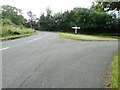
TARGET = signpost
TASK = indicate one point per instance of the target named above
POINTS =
(76, 28)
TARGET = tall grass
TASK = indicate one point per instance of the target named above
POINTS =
(116, 72)
(10, 30)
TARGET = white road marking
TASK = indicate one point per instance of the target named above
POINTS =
(4, 48)
(35, 39)
(38, 38)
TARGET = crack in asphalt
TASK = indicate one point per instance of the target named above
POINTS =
(35, 70)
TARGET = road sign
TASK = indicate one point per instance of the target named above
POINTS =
(76, 28)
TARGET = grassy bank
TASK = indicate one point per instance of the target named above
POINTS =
(11, 32)
(115, 71)
(14, 37)
(83, 37)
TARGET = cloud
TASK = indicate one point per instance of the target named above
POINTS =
(39, 6)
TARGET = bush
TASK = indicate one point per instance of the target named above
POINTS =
(7, 22)
(10, 30)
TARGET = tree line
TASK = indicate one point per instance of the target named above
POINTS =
(95, 20)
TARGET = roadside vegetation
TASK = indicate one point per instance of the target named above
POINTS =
(116, 72)
(13, 24)
(84, 37)
(95, 20)
(11, 32)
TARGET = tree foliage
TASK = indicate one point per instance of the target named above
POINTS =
(110, 5)
(33, 19)
(93, 20)
(13, 14)
(90, 21)
(46, 22)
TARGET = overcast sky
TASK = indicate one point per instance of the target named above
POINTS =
(39, 6)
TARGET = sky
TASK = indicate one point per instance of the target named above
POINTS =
(39, 6)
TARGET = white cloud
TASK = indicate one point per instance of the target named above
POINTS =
(39, 6)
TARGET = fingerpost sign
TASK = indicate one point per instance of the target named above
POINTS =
(76, 29)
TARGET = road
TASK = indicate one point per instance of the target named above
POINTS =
(48, 61)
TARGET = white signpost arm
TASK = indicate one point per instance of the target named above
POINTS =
(76, 28)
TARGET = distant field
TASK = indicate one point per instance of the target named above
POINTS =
(12, 32)
(83, 37)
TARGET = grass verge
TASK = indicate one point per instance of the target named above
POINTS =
(83, 37)
(115, 71)
(9, 32)
(14, 37)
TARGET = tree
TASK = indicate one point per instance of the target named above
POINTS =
(33, 19)
(14, 14)
(46, 21)
(110, 5)
(106, 6)
(10, 11)
(97, 7)
(112, 8)
(90, 20)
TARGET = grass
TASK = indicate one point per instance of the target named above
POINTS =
(14, 37)
(115, 71)
(11, 32)
(83, 37)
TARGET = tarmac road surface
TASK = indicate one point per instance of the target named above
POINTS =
(47, 61)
